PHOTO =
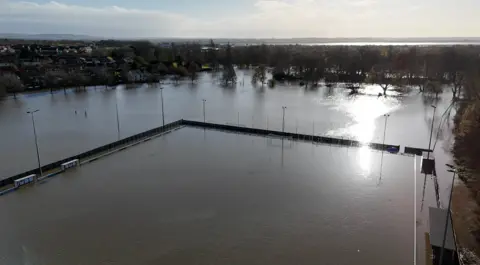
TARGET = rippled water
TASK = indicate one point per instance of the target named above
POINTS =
(210, 197)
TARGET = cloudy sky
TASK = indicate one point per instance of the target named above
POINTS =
(243, 18)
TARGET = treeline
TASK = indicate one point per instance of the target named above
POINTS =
(425, 67)
(429, 68)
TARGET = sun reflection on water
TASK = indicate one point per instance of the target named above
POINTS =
(365, 160)
(364, 111)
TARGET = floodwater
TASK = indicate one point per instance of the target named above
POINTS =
(197, 196)
(68, 124)
(72, 123)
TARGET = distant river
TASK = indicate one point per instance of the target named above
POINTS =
(381, 43)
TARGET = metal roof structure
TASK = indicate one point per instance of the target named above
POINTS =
(437, 219)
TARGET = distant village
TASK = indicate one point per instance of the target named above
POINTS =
(33, 66)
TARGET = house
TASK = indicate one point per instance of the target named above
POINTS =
(165, 45)
(8, 58)
(85, 49)
(207, 49)
(31, 63)
(8, 68)
(6, 50)
(32, 76)
(68, 62)
(32, 60)
(136, 76)
(104, 60)
(18, 47)
(48, 50)
(67, 59)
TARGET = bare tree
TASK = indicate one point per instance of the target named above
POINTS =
(193, 69)
(77, 80)
(11, 83)
(55, 80)
(229, 76)
(383, 76)
(458, 80)
(260, 75)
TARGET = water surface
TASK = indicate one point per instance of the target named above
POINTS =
(209, 197)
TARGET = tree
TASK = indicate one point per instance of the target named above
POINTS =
(154, 78)
(144, 49)
(101, 76)
(77, 80)
(100, 52)
(55, 80)
(3, 91)
(433, 87)
(458, 80)
(10, 83)
(139, 63)
(260, 75)
(472, 86)
(158, 68)
(229, 76)
(193, 69)
(212, 56)
(383, 76)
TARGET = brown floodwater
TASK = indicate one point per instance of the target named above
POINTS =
(208, 197)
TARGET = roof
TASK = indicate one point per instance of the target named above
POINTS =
(437, 219)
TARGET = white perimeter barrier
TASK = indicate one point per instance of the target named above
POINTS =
(25, 180)
(70, 164)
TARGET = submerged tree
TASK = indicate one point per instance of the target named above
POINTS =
(260, 75)
(383, 76)
(193, 69)
(53, 79)
(229, 77)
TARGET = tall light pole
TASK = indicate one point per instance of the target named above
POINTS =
(163, 115)
(283, 120)
(385, 127)
(431, 131)
(36, 142)
(118, 118)
(204, 100)
(454, 171)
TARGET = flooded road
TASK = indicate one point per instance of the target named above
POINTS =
(241, 200)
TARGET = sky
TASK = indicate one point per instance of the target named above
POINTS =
(243, 18)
